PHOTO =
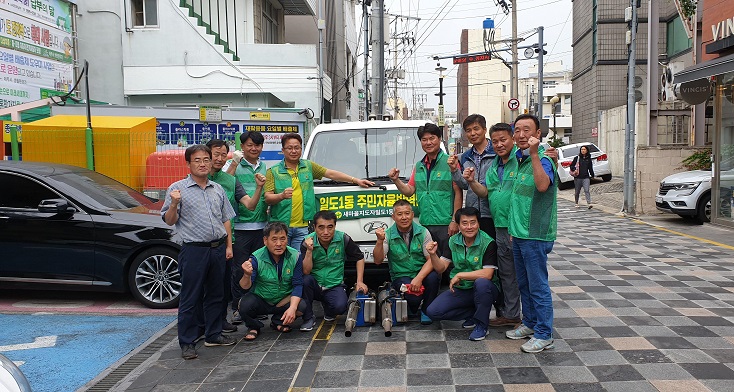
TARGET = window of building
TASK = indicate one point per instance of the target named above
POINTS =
(504, 88)
(567, 100)
(144, 13)
(269, 23)
(593, 35)
(677, 39)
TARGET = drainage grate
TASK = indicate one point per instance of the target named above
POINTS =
(115, 376)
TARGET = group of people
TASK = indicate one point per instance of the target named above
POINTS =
(494, 248)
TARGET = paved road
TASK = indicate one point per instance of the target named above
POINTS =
(637, 309)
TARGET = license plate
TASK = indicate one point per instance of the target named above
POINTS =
(367, 251)
(658, 199)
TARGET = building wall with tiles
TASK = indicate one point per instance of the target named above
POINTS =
(653, 163)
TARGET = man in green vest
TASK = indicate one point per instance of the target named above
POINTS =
(324, 254)
(438, 196)
(237, 197)
(532, 225)
(248, 225)
(274, 277)
(404, 244)
(289, 188)
(498, 191)
(474, 285)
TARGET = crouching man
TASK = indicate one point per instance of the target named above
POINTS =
(474, 286)
(274, 277)
(323, 254)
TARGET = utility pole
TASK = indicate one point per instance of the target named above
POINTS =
(381, 58)
(321, 24)
(540, 73)
(365, 22)
(629, 157)
(514, 82)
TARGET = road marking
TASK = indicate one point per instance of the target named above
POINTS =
(325, 330)
(39, 342)
(18, 363)
(725, 246)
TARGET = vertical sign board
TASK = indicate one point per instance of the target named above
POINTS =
(36, 50)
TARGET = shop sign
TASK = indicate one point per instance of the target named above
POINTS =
(694, 92)
(363, 204)
(722, 36)
(6, 130)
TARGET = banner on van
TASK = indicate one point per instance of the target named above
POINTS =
(355, 205)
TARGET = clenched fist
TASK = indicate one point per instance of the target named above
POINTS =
(534, 142)
(468, 174)
(380, 233)
(175, 197)
(308, 242)
(287, 193)
(259, 179)
(237, 156)
(394, 174)
(247, 267)
(432, 247)
(453, 163)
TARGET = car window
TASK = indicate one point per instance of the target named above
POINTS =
(23, 192)
(572, 151)
(104, 190)
(367, 152)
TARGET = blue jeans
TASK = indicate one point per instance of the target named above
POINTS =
(463, 304)
(531, 270)
(334, 300)
(296, 235)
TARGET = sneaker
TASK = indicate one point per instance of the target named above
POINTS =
(577, 206)
(222, 340)
(329, 318)
(537, 345)
(468, 323)
(236, 318)
(425, 320)
(520, 332)
(504, 322)
(228, 328)
(308, 324)
(479, 333)
(189, 352)
(590, 206)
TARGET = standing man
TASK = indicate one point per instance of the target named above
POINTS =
(533, 230)
(274, 277)
(323, 254)
(498, 190)
(478, 159)
(248, 225)
(201, 212)
(240, 200)
(438, 196)
(289, 188)
(473, 286)
(404, 244)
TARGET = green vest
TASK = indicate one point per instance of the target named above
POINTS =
(499, 191)
(227, 181)
(246, 174)
(328, 264)
(281, 212)
(435, 194)
(469, 259)
(533, 213)
(404, 262)
(267, 285)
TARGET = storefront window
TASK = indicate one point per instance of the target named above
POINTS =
(725, 166)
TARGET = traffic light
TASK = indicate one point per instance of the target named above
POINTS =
(544, 51)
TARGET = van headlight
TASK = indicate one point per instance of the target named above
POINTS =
(686, 186)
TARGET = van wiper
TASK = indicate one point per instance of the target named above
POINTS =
(382, 178)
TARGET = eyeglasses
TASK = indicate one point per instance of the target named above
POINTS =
(199, 161)
(291, 148)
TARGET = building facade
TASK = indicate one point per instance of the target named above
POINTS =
(556, 83)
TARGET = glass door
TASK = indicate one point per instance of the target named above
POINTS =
(722, 198)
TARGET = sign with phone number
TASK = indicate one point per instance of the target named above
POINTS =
(351, 205)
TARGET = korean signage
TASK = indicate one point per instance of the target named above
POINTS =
(355, 205)
(6, 130)
(210, 113)
(173, 134)
(471, 58)
(36, 57)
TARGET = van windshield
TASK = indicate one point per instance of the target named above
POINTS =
(367, 153)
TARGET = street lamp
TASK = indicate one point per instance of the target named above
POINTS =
(554, 101)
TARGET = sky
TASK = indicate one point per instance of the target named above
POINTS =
(438, 33)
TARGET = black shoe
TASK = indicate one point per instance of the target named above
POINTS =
(228, 328)
(236, 318)
(202, 335)
(222, 340)
(189, 352)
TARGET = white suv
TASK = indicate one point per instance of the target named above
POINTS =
(688, 194)
(364, 150)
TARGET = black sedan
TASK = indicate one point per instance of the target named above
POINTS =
(65, 227)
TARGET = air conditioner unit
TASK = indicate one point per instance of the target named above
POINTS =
(666, 80)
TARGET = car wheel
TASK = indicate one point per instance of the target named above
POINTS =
(606, 177)
(703, 211)
(154, 279)
(565, 185)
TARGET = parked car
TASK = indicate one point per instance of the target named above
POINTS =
(567, 153)
(365, 150)
(688, 194)
(65, 227)
(12, 379)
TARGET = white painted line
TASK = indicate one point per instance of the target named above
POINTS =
(39, 342)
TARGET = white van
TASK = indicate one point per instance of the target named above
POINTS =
(364, 150)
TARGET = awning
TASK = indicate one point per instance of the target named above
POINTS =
(704, 70)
